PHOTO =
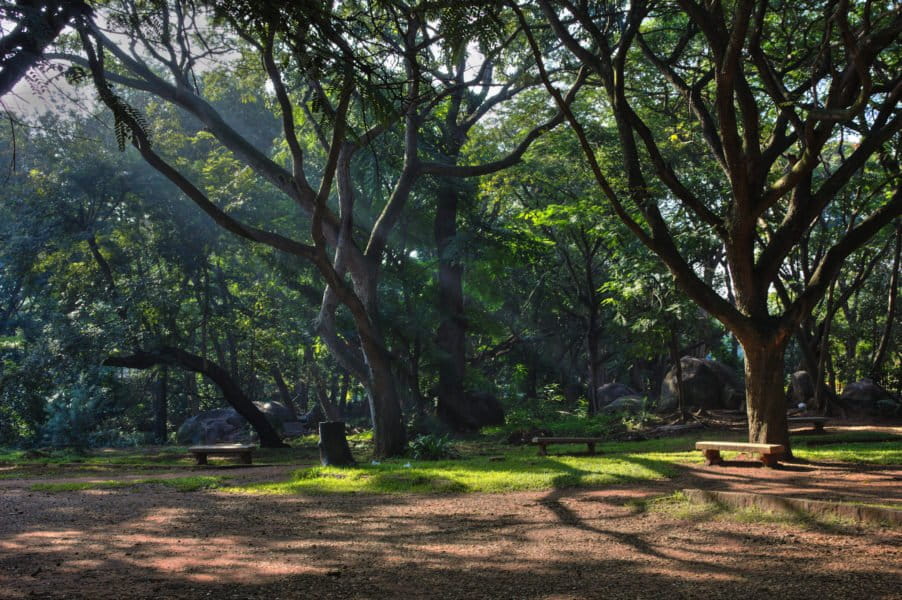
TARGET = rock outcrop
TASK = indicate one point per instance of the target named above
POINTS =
(224, 425)
(707, 384)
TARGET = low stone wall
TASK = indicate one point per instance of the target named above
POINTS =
(804, 506)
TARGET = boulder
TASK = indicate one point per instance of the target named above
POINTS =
(215, 426)
(610, 392)
(276, 413)
(224, 425)
(801, 388)
(625, 404)
(708, 384)
(867, 397)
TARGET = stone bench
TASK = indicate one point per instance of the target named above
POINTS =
(817, 422)
(242, 451)
(769, 453)
(544, 442)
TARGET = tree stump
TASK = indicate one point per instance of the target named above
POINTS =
(333, 445)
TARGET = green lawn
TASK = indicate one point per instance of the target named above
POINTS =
(182, 484)
(510, 471)
(487, 464)
(16, 464)
(872, 453)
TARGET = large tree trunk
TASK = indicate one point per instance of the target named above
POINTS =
(451, 334)
(389, 438)
(764, 394)
(374, 371)
(233, 394)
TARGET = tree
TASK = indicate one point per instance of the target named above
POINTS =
(791, 101)
(352, 78)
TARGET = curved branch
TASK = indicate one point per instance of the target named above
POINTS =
(231, 391)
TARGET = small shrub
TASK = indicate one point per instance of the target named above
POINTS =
(640, 419)
(433, 447)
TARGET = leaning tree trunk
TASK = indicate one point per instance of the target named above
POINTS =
(764, 395)
(231, 391)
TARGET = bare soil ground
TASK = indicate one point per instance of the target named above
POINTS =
(153, 542)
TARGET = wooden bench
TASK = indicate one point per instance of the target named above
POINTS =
(769, 453)
(544, 442)
(243, 451)
(817, 422)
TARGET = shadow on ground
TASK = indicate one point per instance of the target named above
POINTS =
(567, 543)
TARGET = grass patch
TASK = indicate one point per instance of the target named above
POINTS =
(151, 456)
(53, 462)
(872, 453)
(182, 484)
(679, 506)
(514, 469)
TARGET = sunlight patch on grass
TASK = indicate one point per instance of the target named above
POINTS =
(517, 470)
(182, 484)
(873, 453)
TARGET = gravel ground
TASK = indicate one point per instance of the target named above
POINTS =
(153, 542)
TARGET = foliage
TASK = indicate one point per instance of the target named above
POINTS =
(433, 447)
(101, 255)
(74, 415)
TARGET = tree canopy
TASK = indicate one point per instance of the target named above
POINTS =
(410, 206)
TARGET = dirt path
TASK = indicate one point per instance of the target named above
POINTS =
(158, 543)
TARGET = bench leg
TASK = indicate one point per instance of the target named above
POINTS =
(591, 447)
(819, 427)
(201, 459)
(769, 460)
(543, 451)
(246, 458)
(712, 457)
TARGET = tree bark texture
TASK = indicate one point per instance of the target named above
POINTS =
(764, 394)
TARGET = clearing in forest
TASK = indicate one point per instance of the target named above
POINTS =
(614, 525)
